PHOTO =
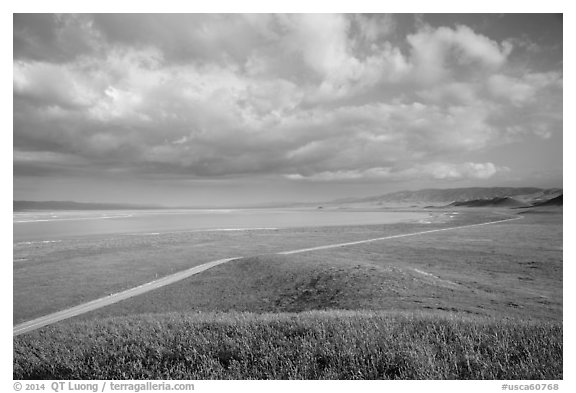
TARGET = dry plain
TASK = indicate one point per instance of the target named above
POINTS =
(472, 281)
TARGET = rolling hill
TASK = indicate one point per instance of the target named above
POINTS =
(556, 201)
(493, 202)
(523, 195)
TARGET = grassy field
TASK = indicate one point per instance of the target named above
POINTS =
(474, 303)
(51, 276)
(508, 269)
(313, 345)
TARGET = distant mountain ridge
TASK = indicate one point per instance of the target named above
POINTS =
(523, 201)
(479, 196)
(70, 205)
(493, 202)
(451, 195)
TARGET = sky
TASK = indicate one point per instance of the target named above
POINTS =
(232, 109)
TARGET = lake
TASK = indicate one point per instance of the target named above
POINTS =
(46, 226)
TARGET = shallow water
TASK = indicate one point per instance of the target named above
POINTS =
(44, 226)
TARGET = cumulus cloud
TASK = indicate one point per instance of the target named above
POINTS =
(471, 170)
(523, 89)
(437, 51)
(317, 97)
(434, 170)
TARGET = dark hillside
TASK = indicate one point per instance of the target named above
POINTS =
(558, 201)
(494, 202)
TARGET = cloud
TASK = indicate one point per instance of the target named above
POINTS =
(523, 89)
(322, 97)
(435, 170)
(373, 27)
(438, 52)
(469, 170)
(53, 84)
(54, 38)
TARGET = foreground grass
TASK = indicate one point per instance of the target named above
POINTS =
(310, 345)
